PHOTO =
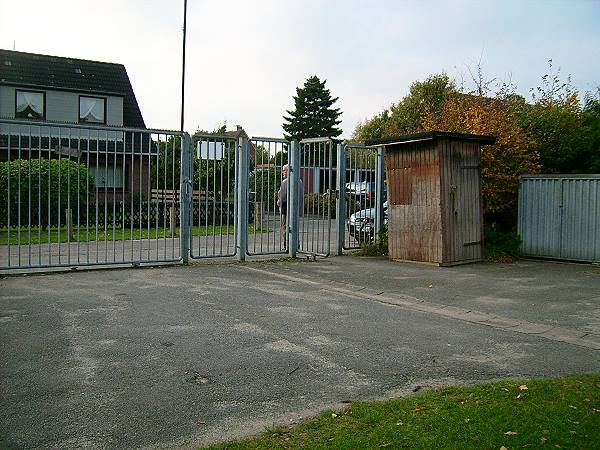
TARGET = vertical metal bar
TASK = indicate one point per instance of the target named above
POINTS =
(78, 196)
(340, 202)
(59, 189)
(123, 198)
(221, 210)
(39, 195)
(29, 199)
(69, 220)
(206, 200)
(293, 210)
(19, 202)
(87, 198)
(229, 190)
(131, 240)
(105, 191)
(148, 196)
(379, 187)
(164, 190)
(173, 149)
(8, 198)
(184, 197)
(330, 190)
(156, 205)
(141, 192)
(242, 194)
(214, 194)
(114, 197)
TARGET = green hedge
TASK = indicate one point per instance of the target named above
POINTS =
(41, 187)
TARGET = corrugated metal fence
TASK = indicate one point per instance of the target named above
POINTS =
(559, 216)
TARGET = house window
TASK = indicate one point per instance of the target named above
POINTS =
(92, 109)
(30, 105)
(107, 177)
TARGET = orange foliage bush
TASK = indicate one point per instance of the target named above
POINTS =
(513, 153)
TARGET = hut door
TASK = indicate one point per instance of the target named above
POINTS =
(467, 209)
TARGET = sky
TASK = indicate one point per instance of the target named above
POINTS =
(245, 58)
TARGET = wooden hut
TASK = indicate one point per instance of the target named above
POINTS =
(435, 210)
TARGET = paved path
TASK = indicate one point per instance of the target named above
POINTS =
(176, 357)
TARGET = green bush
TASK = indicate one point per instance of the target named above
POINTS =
(501, 245)
(41, 189)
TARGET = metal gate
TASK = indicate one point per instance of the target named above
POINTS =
(79, 195)
(317, 194)
(361, 180)
(267, 231)
(76, 195)
(213, 203)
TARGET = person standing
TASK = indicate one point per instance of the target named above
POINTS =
(282, 203)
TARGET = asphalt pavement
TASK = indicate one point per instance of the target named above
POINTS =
(182, 356)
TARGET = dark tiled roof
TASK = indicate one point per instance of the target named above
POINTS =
(53, 72)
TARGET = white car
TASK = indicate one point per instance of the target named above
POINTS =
(361, 224)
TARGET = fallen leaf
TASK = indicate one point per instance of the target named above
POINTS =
(528, 446)
(467, 420)
(523, 387)
(334, 415)
(595, 410)
(511, 433)
(557, 446)
(542, 440)
(518, 396)
(503, 448)
(201, 422)
(505, 390)
(385, 445)
(399, 423)
(431, 285)
(572, 407)
(573, 433)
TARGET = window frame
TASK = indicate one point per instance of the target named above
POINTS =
(79, 109)
(31, 92)
(126, 187)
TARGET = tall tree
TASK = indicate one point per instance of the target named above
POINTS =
(313, 115)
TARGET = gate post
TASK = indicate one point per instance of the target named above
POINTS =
(379, 187)
(340, 205)
(242, 198)
(185, 197)
(293, 199)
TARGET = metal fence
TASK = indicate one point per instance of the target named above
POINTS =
(268, 159)
(79, 195)
(559, 216)
(82, 195)
(213, 165)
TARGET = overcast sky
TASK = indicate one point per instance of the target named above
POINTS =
(245, 58)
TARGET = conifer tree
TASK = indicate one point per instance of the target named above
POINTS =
(313, 115)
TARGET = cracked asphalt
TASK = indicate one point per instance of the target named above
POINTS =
(179, 357)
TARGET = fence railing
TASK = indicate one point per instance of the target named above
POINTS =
(76, 195)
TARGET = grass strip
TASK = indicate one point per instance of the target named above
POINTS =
(555, 413)
(81, 235)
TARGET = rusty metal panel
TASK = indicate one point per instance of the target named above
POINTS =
(559, 216)
(414, 215)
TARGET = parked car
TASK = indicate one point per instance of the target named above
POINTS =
(363, 192)
(361, 224)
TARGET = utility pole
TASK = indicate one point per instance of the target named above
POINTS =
(183, 64)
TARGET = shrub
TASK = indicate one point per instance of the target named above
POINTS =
(501, 245)
(41, 188)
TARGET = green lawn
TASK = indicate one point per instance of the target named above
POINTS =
(558, 413)
(84, 235)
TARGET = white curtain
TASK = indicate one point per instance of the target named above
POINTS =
(91, 109)
(33, 100)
